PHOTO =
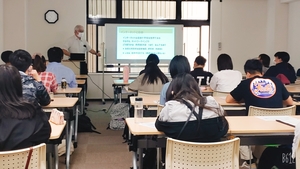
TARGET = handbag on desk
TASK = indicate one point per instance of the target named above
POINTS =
(57, 117)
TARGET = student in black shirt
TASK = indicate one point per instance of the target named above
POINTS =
(198, 71)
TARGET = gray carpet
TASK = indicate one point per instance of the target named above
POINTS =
(100, 151)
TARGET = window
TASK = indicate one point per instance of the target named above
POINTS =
(194, 15)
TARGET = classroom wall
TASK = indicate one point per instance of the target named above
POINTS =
(26, 28)
(246, 28)
(294, 32)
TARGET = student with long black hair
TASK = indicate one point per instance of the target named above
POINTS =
(152, 78)
(22, 124)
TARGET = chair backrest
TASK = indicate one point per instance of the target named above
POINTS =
(192, 155)
(259, 111)
(18, 158)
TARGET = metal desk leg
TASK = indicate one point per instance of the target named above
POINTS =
(76, 120)
(140, 151)
(55, 151)
(120, 96)
(134, 155)
(68, 145)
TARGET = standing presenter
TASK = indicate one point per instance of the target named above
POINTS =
(76, 43)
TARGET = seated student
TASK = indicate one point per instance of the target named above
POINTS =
(226, 79)
(198, 70)
(152, 80)
(151, 59)
(22, 124)
(265, 60)
(184, 102)
(282, 67)
(33, 88)
(48, 78)
(260, 91)
(179, 64)
(55, 55)
(5, 56)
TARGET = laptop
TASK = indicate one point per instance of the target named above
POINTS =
(77, 56)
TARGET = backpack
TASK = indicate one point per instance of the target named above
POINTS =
(277, 157)
(85, 124)
(118, 114)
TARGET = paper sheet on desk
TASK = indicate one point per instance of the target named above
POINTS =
(148, 124)
(269, 118)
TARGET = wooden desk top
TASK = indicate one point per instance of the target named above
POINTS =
(222, 101)
(56, 130)
(294, 88)
(149, 100)
(237, 125)
(62, 102)
(68, 90)
(80, 82)
(121, 82)
(206, 89)
(81, 76)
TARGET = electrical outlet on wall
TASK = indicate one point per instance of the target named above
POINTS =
(219, 46)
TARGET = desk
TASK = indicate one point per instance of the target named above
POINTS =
(117, 86)
(83, 84)
(81, 76)
(78, 91)
(250, 129)
(150, 100)
(65, 103)
(293, 89)
(56, 131)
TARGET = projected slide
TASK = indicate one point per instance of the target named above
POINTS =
(138, 42)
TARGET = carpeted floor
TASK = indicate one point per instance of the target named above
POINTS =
(100, 151)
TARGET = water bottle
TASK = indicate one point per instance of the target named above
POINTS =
(138, 110)
(63, 83)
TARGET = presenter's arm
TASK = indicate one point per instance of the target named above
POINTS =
(92, 51)
(66, 52)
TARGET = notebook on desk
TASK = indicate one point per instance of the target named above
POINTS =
(291, 121)
(77, 56)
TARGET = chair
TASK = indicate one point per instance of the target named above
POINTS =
(192, 155)
(259, 111)
(18, 158)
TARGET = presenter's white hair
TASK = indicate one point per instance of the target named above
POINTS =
(77, 27)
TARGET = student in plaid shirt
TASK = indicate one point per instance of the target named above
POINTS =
(48, 78)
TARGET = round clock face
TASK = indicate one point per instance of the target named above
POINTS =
(51, 16)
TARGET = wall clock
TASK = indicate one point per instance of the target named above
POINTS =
(51, 16)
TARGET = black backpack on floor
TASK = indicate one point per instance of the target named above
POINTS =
(277, 158)
(85, 124)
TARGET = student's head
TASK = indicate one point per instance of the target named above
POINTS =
(224, 62)
(10, 87)
(39, 63)
(199, 61)
(152, 72)
(79, 31)
(5, 56)
(21, 59)
(252, 67)
(55, 54)
(11, 97)
(281, 57)
(152, 59)
(264, 59)
(179, 64)
(184, 86)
